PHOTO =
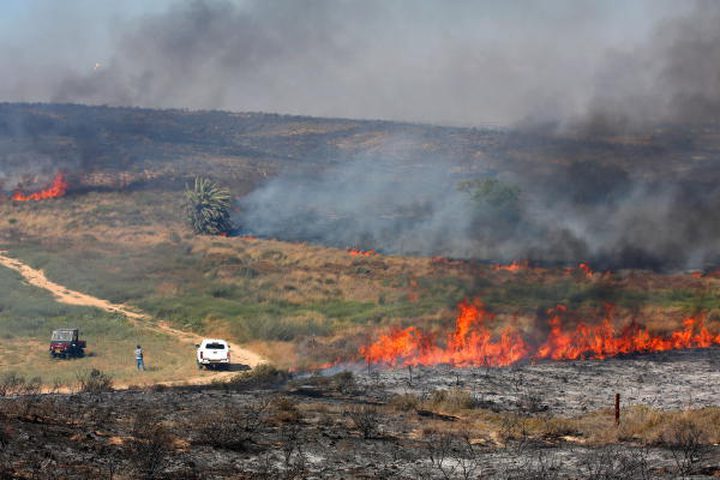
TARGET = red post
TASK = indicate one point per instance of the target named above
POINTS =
(617, 409)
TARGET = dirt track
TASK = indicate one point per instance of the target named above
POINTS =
(62, 294)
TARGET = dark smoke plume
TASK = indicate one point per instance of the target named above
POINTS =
(585, 210)
(674, 77)
(420, 60)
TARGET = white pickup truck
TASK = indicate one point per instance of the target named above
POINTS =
(213, 353)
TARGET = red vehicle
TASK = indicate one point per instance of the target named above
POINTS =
(65, 343)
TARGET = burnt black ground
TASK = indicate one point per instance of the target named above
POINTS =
(665, 380)
(344, 426)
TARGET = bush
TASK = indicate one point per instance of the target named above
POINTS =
(11, 384)
(151, 444)
(208, 207)
(451, 400)
(688, 444)
(231, 429)
(405, 402)
(14, 384)
(94, 381)
(448, 455)
(366, 420)
(344, 382)
(285, 410)
(262, 376)
(616, 462)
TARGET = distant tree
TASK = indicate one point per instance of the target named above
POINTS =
(497, 207)
(208, 207)
(495, 195)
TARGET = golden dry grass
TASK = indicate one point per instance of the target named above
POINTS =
(165, 360)
(640, 424)
(240, 287)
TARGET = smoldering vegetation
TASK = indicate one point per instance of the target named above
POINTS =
(630, 201)
(615, 216)
(612, 161)
(368, 203)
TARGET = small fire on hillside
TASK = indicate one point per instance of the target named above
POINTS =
(586, 269)
(58, 188)
(356, 252)
(473, 344)
(513, 267)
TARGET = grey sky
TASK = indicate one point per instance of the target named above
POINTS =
(442, 61)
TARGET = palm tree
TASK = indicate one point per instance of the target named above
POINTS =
(208, 207)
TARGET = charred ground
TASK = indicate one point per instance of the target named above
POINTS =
(532, 421)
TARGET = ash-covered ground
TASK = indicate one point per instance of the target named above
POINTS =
(549, 420)
(666, 380)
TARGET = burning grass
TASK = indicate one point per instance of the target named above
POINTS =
(134, 247)
(57, 189)
(332, 424)
(472, 343)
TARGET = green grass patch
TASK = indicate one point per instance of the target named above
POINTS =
(28, 315)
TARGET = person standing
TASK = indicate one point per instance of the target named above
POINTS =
(139, 358)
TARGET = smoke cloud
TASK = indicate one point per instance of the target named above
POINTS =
(367, 202)
(563, 67)
(581, 211)
(431, 61)
(674, 76)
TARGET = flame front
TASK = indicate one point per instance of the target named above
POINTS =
(586, 269)
(603, 341)
(57, 189)
(513, 267)
(473, 344)
(356, 252)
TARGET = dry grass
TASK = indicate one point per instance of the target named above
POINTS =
(453, 400)
(640, 425)
(165, 360)
(134, 247)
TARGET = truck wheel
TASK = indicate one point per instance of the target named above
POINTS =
(200, 366)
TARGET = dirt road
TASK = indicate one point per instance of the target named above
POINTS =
(62, 294)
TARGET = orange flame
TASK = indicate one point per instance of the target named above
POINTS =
(57, 189)
(586, 269)
(473, 344)
(603, 341)
(513, 267)
(356, 252)
(470, 344)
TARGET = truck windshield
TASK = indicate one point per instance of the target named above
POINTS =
(62, 336)
(215, 346)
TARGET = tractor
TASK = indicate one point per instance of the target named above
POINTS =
(65, 343)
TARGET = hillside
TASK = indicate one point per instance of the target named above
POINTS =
(119, 234)
(398, 188)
